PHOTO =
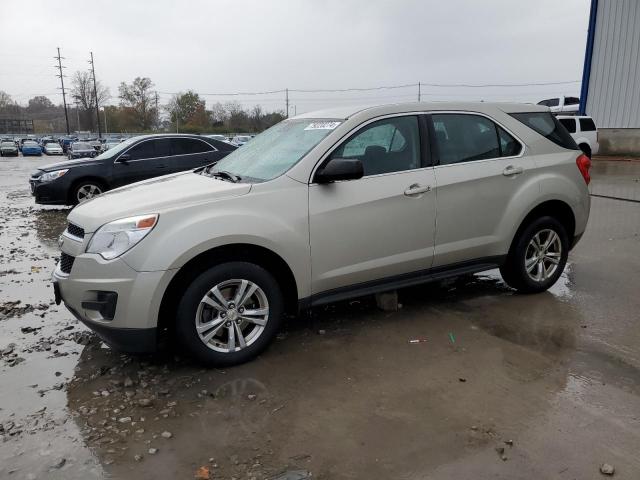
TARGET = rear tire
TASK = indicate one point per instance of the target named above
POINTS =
(537, 257)
(229, 313)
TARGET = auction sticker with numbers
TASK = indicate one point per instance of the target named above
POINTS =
(322, 125)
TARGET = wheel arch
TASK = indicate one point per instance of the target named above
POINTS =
(267, 259)
(85, 178)
(557, 209)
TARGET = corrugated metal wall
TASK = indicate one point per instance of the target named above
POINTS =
(614, 84)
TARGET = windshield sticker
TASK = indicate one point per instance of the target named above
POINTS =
(322, 126)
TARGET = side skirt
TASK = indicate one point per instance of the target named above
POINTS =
(402, 281)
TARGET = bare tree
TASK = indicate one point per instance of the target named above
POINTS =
(139, 99)
(5, 99)
(83, 94)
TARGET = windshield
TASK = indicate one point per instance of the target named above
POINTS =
(7, 144)
(275, 150)
(116, 149)
(30, 143)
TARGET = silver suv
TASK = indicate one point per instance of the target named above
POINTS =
(322, 207)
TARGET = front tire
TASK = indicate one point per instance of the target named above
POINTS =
(86, 190)
(229, 313)
(537, 257)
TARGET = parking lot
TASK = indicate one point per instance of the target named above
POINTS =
(500, 385)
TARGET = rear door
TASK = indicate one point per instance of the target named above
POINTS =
(479, 169)
(189, 153)
(147, 159)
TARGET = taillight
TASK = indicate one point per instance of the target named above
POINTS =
(584, 164)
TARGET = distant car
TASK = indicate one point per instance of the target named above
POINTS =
(110, 144)
(8, 148)
(131, 161)
(222, 138)
(25, 139)
(65, 142)
(96, 144)
(584, 132)
(31, 147)
(240, 140)
(52, 148)
(562, 104)
(81, 150)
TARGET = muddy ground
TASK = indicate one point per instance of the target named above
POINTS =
(502, 385)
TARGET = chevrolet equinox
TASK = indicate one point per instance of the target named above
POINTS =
(322, 207)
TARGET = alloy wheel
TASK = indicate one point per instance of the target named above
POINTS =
(543, 255)
(232, 315)
(85, 192)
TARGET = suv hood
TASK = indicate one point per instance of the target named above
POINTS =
(80, 162)
(155, 195)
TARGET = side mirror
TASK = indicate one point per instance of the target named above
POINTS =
(340, 169)
(124, 158)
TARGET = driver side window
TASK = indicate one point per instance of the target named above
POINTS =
(385, 146)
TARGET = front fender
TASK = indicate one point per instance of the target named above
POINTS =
(276, 220)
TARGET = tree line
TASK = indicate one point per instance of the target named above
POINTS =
(137, 111)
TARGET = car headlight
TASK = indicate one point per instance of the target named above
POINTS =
(49, 176)
(115, 238)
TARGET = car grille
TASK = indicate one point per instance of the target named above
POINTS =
(66, 263)
(75, 230)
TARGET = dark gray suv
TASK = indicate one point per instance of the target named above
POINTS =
(139, 158)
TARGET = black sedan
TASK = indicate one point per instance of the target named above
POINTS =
(139, 158)
(81, 150)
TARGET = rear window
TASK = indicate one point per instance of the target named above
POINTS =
(587, 125)
(548, 126)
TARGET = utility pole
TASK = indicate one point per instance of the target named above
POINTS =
(64, 97)
(77, 116)
(418, 91)
(157, 112)
(95, 94)
(286, 90)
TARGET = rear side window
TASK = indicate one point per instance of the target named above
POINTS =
(587, 125)
(571, 101)
(569, 124)
(552, 102)
(509, 146)
(548, 126)
(184, 146)
(465, 138)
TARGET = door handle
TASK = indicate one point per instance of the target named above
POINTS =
(511, 170)
(161, 166)
(417, 189)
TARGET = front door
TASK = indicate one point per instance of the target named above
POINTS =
(147, 159)
(382, 225)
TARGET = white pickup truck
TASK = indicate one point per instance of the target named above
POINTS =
(562, 104)
(584, 132)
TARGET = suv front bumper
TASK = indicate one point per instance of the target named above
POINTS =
(121, 306)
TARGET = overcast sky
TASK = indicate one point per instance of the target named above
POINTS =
(251, 46)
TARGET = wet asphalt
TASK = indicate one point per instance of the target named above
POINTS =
(501, 385)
